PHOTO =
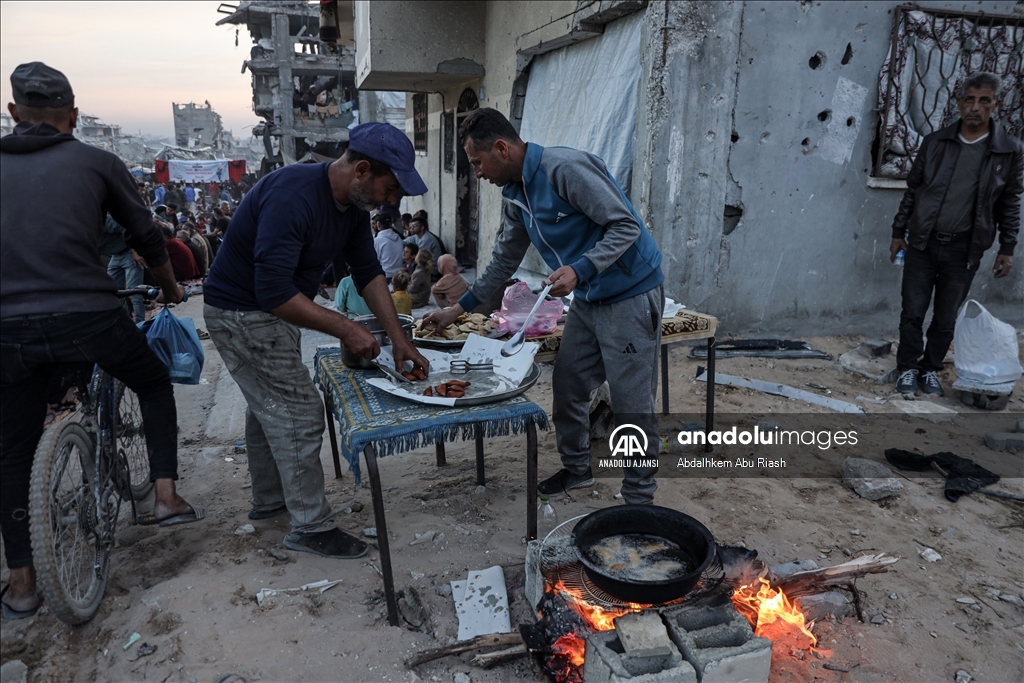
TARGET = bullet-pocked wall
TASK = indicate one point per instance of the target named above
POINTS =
(753, 160)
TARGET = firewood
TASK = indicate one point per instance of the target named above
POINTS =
(490, 659)
(818, 580)
(491, 640)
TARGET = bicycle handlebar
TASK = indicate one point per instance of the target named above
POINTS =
(148, 293)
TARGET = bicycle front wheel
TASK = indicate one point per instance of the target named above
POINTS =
(131, 439)
(70, 554)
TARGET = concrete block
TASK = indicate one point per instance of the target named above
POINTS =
(750, 662)
(870, 479)
(818, 606)
(793, 567)
(722, 648)
(15, 671)
(875, 348)
(642, 631)
(878, 369)
(607, 662)
(1005, 441)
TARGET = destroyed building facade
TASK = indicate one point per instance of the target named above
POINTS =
(747, 134)
(198, 125)
(303, 88)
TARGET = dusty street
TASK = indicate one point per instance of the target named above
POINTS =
(190, 590)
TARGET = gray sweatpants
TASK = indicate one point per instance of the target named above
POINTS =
(619, 343)
(284, 422)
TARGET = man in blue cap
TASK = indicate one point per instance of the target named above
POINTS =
(259, 293)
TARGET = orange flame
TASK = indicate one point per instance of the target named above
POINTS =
(572, 646)
(597, 618)
(767, 606)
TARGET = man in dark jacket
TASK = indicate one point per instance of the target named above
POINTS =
(963, 188)
(59, 304)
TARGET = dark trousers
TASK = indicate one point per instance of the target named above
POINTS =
(941, 268)
(39, 348)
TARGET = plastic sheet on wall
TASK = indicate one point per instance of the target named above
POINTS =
(585, 96)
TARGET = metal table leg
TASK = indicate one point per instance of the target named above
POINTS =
(709, 412)
(531, 481)
(439, 449)
(479, 455)
(664, 380)
(382, 533)
(334, 440)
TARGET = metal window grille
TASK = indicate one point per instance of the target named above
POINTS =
(932, 53)
(419, 122)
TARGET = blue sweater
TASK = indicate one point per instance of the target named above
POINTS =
(285, 231)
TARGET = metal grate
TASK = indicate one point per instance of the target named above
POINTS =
(932, 53)
(573, 575)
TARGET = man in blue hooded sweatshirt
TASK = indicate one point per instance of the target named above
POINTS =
(565, 203)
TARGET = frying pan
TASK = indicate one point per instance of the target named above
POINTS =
(695, 542)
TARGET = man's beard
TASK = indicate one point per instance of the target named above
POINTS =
(357, 196)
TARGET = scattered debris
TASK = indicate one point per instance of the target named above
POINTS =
(926, 410)
(278, 554)
(878, 619)
(354, 507)
(370, 532)
(423, 538)
(1014, 600)
(481, 603)
(132, 639)
(760, 348)
(245, 530)
(870, 479)
(967, 601)
(783, 390)
(319, 586)
(963, 677)
(1005, 441)
(930, 555)
(844, 669)
(411, 607)
(875, 348)
(881, 370)
(417, 576)
(144, 650)
(14, 671)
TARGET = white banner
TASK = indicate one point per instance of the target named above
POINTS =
(197, 171)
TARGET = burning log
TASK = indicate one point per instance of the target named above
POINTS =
(491, 640)
(819, 580)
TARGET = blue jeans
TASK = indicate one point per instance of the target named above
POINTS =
(284, 421)
(941, 268)
(127, 275)
(38, 349)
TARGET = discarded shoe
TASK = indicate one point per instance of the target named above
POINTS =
(906, 384)
(564, 480)
(333, 543)
(267, 514)
(929, 383)
(12, 614)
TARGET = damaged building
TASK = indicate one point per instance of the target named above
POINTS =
(198, 125)
(764, 143)
(303, 87)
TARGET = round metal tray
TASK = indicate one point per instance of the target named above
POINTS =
(531, 378)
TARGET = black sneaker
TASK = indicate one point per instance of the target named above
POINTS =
(929, 383)
(906, 384)
(564, 480)
(333, 543)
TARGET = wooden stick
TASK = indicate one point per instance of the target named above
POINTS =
(491, 640)
(814, 581)
(490, 659)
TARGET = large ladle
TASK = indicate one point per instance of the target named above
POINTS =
(513, 345)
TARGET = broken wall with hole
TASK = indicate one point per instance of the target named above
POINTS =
(751, 165)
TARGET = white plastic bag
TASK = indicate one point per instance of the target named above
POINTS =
(985, 348)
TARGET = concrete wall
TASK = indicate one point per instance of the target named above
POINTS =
(810, 252)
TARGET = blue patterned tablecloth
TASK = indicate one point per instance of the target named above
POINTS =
(367, 415)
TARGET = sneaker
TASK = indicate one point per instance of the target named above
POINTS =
(929, 383)
(906, 384)
(564, 480)
(333, 543)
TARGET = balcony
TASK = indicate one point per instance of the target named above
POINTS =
(418, 46)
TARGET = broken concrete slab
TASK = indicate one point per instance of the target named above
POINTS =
(926, 410)
(1005, 441)
(878, 369)
(875, 348)
(870, 479)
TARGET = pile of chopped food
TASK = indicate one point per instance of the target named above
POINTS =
(451, 389)
(465, 325)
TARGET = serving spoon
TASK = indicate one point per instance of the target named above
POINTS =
(513, 345)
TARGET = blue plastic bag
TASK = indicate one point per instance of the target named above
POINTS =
(175, 342)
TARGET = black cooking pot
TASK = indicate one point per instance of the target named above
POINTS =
(691, 543)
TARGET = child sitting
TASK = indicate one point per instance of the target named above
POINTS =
(403, 302)
(419, 285)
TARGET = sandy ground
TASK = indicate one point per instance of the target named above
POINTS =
(190, 590)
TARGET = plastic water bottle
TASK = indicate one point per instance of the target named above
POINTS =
(898, 261)
(547, 518)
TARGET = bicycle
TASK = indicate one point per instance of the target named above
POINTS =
(83, 470)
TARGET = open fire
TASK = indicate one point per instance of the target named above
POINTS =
(769, 611)
(596, 618)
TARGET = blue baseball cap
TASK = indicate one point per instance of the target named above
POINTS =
(388, 145)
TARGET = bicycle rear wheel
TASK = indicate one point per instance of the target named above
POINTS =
(131, 439)
(71, 555)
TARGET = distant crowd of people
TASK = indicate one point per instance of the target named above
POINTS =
(415, 262)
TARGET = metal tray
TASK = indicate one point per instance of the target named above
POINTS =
(531, 378)
(439, 344)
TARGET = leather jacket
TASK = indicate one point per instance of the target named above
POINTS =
(999, 191)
